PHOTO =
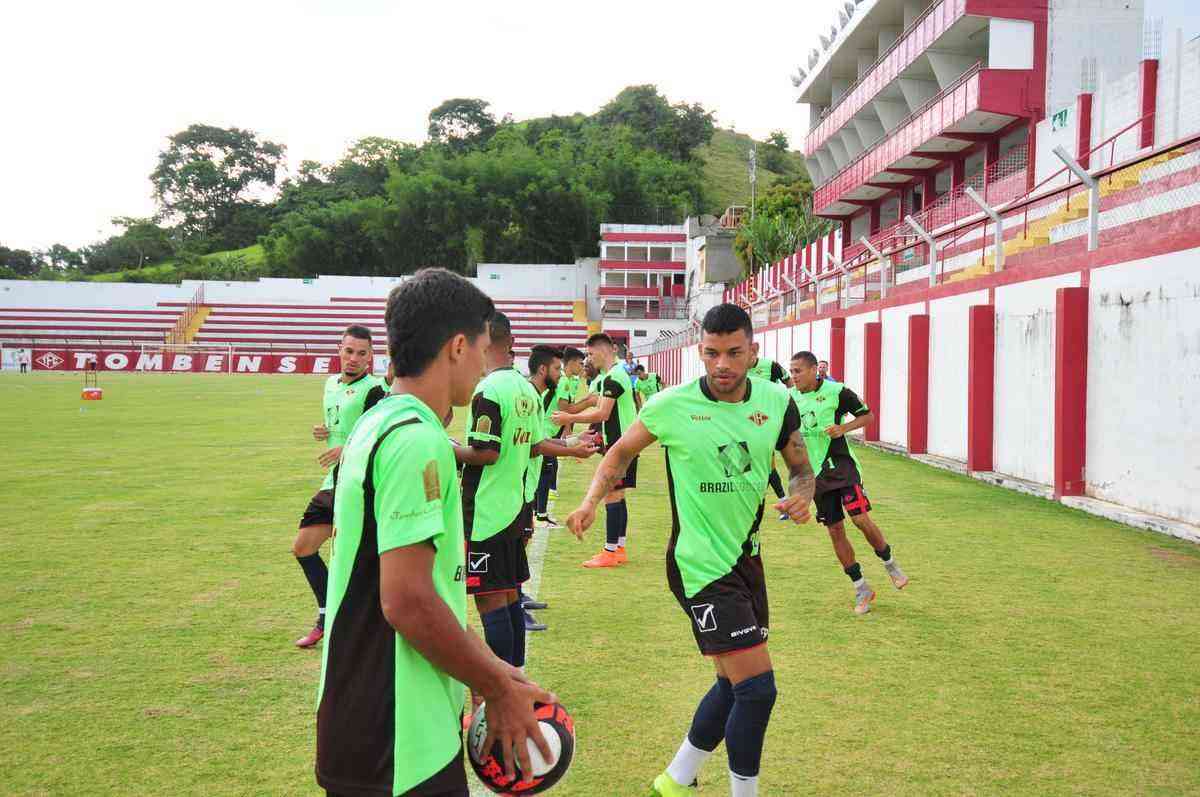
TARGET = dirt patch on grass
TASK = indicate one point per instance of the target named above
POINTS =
(1175, 557)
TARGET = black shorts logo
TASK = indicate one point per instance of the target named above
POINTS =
(705, 615)
(477, 562)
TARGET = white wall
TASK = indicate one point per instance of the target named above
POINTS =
(856, 351)
(948, 362)
(539, 281)
(652, 327)
(893, 371)
(1143, 435)
(1010, 44)
(1108, 30)
(82, 295)
(819, 339)
(1024, 399)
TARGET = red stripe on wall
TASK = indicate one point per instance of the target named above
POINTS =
(837, 350)
(981, 385)
(918, 384)
(872, 361)
(1070, 390)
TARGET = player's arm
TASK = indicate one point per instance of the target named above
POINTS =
(780, 375)
(587, 402)
(483, 438)
(801, 478)
(597, 414)
(850, 404)
(414, 609)
(610, 471)
(583, 448)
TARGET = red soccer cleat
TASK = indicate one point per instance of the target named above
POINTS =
(605, 558)
(311, 638)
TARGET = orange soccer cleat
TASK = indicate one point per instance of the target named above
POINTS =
(605, 558)
(621, 557)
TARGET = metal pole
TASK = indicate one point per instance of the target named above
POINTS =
(883, 265)
(996, 219)
(928, 239)
(1093, 186)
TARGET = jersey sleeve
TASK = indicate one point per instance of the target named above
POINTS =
(485, 432)
(408, 489)
(791, 423)
(656, 417)
(849, 402)
(374, 396)
(777, 372)
(611, 387)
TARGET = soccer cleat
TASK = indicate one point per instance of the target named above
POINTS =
(665, 786)
(311, 638)
(622, 558)
(899, 580)
(784, 516)
(605, 558)
(864, 596)
(531, 623)
(546, 520)
(530, 603)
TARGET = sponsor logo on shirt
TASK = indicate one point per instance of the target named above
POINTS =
(705, 615)
(734, 458)
(433, 485)
(483, 424)
(758, 418)
(525, 406)
(700, 417)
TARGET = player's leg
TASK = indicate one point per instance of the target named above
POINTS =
(861, 518)
(316, 526)
(752, 681)
(542, 498)
(497, 624)
(616, 516)
(526, 603)
(831, 516)
(496, 567)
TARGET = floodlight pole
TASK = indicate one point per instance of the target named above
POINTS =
(996, 219)
(883, 265)
(1093, 186)
(928, 239)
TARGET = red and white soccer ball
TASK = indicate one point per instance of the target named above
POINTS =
(559, 731)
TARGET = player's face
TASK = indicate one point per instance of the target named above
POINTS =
(574, 367)
(355, 354)
(726, 360)
(601, 354)
(822, 368)
(553, 373)
(804, 376)
(468, 359)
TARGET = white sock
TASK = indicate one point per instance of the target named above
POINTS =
(890, 562)
(858, 584)
(321, 610)
(687, 763)
(621, 541)
(742, 787)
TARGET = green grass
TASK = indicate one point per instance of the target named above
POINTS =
(168, 271)
(726, 170)
(151, 600)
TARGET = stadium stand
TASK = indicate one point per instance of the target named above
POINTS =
(30, 325)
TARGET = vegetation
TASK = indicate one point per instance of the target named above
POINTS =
(480, 189)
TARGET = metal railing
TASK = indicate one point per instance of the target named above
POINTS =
(178, 333)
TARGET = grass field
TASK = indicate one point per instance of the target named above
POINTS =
(152, 599)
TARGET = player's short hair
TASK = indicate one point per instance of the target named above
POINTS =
(640, 368)
(806, 357)
(357, 331)
(500, 328)
(571, 353)
(542, 355)
(428, 309)
(599, 337)
(725, 319)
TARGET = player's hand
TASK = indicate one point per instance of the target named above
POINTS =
(320, 432)
(510, 721)
(581, 520)
(330, 457)
(585, 447)
(795, 507)
(835, 430)
(560, 418)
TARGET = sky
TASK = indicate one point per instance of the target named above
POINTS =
(90, 91)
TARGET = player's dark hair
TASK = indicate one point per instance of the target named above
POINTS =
(640, 368)
(806, 357)
(599, 337)
(428, 309)
(542, 355)
(571, 353)
(500, 328)
(725, 319)
(357, 331)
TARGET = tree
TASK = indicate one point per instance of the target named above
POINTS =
(206, 171)
(21, 262)
(673, 130)
(779, 139)
(783, 223)
(364, 170)
(64, 257)
(461, 123)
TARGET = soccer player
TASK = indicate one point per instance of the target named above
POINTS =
(398, 650)
(564, 399)
(648, 383)
(718, 434)
(348, 395)
(822, 404)
(545, 368)
(615, 411)
(823, 369)
(504, 429)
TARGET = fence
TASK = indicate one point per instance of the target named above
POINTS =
(178, 333)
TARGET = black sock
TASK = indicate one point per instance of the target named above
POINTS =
(318, 578)
(516, 617)
(753, 699)
(708, 723)
(776, 483)
(885, 554)
(498, 632)
(615, 519)
(854, 571)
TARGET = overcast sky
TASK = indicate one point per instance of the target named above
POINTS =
(91, 90)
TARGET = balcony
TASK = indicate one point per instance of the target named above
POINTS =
(644, 265)
(981, 103)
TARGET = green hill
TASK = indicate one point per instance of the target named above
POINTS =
(726, 170)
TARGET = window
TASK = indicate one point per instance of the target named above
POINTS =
(660, 254)
(614, 279)
(639, 333)
(654, 280)
(637, 253)
(679, 253)
(614, 252)
(637, 279)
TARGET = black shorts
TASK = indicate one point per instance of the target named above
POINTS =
(498, 563)
(729, 614)
(629, 480)
(833, 505)
(319, 511)
(450, 781)
(526, 519)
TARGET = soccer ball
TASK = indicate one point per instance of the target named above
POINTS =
(559, 731)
